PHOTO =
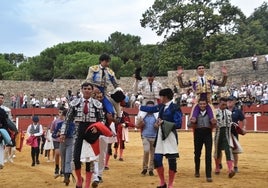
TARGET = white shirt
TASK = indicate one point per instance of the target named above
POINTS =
(204, 80)
(35, 127)
(167, 105)
(266, 58)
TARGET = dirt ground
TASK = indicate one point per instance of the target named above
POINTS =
(253, 168)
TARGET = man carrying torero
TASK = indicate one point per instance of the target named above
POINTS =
(202, 86)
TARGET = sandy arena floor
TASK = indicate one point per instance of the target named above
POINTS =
(252, 166)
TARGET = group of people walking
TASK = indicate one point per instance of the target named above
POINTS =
(204, 119)
(83, 132)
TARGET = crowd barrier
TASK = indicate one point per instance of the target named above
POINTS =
(23, 116)
(256, 115)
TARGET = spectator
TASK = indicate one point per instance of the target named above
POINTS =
(25, 101)
(132, 100)
(13, 101)
(254, 61)
(175, 89)
(127, 100)
(266, 60)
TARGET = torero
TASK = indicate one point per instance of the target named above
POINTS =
(202, 86)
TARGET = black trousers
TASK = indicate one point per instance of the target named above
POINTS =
(35, 151)
(203, 136)
(81, 135)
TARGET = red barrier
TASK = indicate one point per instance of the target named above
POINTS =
(34, 111)
(23, 123)
(46, 115)
(23, 116)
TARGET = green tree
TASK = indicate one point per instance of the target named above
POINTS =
(127, 47)
(14, 58)
(5, 67)
(186, 26)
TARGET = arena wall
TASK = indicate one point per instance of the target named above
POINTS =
(239, 70)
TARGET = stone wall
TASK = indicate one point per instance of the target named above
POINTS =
(239, 71)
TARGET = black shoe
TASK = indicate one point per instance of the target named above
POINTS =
(209, 180)
(66, 179)
(197, 175)
(106, 168)
(37, 162)
(121, 159)
(236, 169)
(162, 186)
(151, 173)
(220, 166)
(231, 174)
(144, 171)
(57, 173)
(100, 179)
(115, 156)
(33, 164)
(95, 184)
(138, 73)
(57, 170)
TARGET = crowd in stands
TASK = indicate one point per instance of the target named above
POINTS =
(254, 92)
(247, 94)
(32, 101)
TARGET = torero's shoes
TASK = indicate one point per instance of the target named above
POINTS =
(231, 174)
(162, 186)
(95, 184)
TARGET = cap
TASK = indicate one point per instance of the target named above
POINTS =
(231, 98)
(35, 119)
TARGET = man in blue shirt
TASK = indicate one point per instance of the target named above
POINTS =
(148, 135)
(237, 116)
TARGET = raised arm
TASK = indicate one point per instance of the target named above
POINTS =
(222, 83)
(179, 76)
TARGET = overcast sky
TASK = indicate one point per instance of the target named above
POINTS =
(31, 26)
